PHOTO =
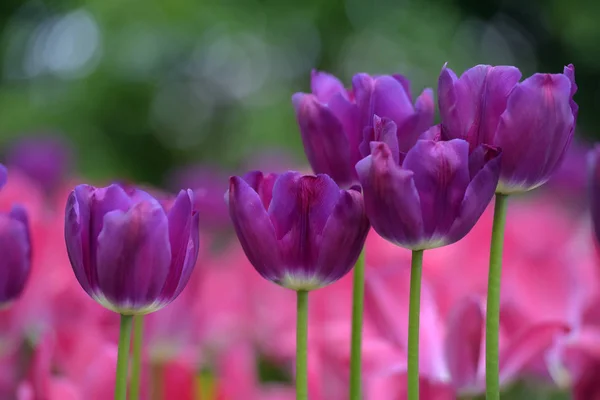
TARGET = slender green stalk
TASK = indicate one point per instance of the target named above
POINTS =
(357, 324)
(302, 346)
(156, 380)
(413, 324)
(205, 385)
(123, 357)
(136, 366)
(492, 370)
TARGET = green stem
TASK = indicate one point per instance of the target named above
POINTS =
(357, 324)
(413, 324)
(492, 369)
(136, 366)
(302, 346)
(205, 385)
(123, 357)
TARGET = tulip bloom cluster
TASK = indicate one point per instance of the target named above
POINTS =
(379, 161)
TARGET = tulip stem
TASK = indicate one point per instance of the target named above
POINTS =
(205, 385)
(136, 366)
(123, 357)
(492, 379)
(302, 346)
(156, 380)
(413, 324)
(357, 324)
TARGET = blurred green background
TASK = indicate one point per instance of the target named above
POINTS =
(142, 87)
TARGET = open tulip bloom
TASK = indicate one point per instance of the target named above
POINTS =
(533, 122)
(301, 232)
(130, 254)
(429, 197)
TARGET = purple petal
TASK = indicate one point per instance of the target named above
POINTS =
(594, 168)
(417, 123)
(254, 228)
(3, 174)
(325, 86)
(391, 198)
(15, 248)
(534, 131)
(463, 342)
(325, 142)
(569, 72)
(133, 256)
(180, 226)
(191, 256)
(299, 211)
(478, 195)
(78, 239)
(471, 106)
(405, 82)
(434, 133)
(383, 130)
(343, 237)
(441, 176)
(347, 113)
(383, 96)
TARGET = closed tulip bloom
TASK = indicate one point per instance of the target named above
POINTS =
(15, 248)
(129, 253)
(532, 121)
(299, 231)
(430, 197)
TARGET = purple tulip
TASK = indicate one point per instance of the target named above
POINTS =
(299, 231)
(3, 175)
(594, 168)
(45, 160)
(334, 121)
(532, 121)
(15, 247)
(129, 253)
(430, 197)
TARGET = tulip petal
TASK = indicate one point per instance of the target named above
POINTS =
(262, 184)
(16, 252)
(3, 174)
(594, 168)
(78, 239)
(180, 226)
(471, 105)
(405, 82)
(299, 211)
(325, 86)
(534, 131)
(441, 176)
(529, 344)
(254, 229)
(569, 72)
(347, 113)
(478, 195)
(391, 197)
(189, 262)
(325, 142)
(133, 256)
(343, 237)
(463, 342)
(415, 125)
(383, 130)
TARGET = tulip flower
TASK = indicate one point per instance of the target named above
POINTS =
(2, 176)
(130, 254)
(45, 160)
(300, 232)
(15, 248)
(333, 120)
(533, 122)
(428, 198)
(595, 188)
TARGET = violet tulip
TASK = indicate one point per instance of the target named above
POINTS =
(300, 231)
(333, 120)
(532, 121)
(127, 252)
(15, 248)
(430, 197)
(2, 176)
(594, 170)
